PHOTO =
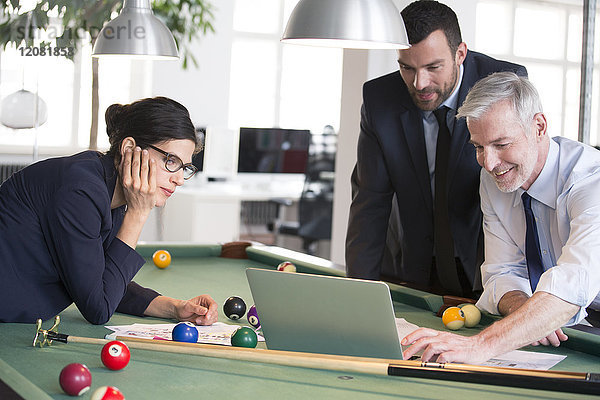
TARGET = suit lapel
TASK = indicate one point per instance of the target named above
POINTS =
(460, 134)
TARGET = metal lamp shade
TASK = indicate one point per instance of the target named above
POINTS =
(136, 33)
(18, 110)
(355, 24)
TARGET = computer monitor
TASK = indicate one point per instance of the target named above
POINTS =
(198, 158)
(273, 150)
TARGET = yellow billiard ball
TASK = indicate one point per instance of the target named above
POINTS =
(453, 318)
(161, 258)
(472, 315)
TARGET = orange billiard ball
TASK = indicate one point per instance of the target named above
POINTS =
(453, 318)
(161, 258)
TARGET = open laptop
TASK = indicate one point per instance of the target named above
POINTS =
(321, 314)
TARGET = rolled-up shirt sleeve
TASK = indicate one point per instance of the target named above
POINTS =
(572, 226)
(576, 276)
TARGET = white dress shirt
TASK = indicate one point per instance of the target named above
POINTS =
(566, 204)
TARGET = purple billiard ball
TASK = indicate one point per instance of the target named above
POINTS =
(75, 379)
(253, 317)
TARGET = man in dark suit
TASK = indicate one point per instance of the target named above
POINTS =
(412, 151)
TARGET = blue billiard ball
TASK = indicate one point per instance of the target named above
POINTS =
(185, 332)
(252, 317)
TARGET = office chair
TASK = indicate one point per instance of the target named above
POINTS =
(315, 206)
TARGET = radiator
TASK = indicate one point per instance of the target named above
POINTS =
(7, 169)
(259, 212)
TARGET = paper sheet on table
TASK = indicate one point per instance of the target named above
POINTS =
(218, 333)
(512, 359)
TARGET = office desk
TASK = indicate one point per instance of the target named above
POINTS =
(200, 269)
(209, 212)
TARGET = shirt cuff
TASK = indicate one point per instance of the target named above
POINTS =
(569, 283)
(136, 299)
(498, 287)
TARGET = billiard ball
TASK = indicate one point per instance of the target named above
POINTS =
(107, 393)
(286, 266)
(244, 337)
(115, 355)
(185, 332)
(161, 258)
(472, 315)
(234, 307)
(75, 379)
(252, 317)
(453, 318)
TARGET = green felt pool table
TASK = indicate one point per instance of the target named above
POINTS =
(33, 372)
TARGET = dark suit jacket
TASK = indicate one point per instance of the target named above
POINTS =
(58, 243)
(392, 159)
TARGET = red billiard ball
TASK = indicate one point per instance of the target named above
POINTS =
(75, 379)
(107, 393)
(286, 266)
(115, 355)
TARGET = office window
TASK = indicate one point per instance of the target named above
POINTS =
(545, 36)
(66, 88)
(52, 79)
(275, 85)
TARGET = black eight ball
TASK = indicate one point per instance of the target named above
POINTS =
(234, 307)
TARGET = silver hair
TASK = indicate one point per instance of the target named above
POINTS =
(502, 86)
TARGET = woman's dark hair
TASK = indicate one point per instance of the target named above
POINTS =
(424, 17)
(149, 121)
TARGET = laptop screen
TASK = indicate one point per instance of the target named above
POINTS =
(328, 315)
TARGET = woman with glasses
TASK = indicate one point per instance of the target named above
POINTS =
(69, 226)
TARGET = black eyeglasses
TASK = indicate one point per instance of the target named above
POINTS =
(174, 164)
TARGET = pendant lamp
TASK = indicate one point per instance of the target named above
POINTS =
(136, 33)
(354, 24)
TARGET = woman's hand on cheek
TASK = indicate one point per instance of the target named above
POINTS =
(138, 177)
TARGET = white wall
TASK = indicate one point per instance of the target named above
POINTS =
(203, 90)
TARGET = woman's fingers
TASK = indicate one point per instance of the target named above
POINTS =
(126, 168)
(144, 161)
(135, 168)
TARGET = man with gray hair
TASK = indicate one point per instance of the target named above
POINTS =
(541, 221)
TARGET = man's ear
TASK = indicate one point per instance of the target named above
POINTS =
(127, 143)
(461, 53)
(541, 125)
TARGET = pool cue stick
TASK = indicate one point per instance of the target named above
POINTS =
(560, 381)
